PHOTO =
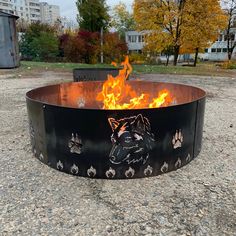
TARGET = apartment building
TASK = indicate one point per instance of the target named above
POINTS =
(7, 6)
(68, 24)
(34, 10)
(31, 11)
(50, 14)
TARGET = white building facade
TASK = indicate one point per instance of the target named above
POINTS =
(31, 11)
(135, 41)
(6, 6)
(50, 14)
(218, 50)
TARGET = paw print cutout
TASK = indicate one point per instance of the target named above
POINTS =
(75, 144)
(177, 139)
(81, 102)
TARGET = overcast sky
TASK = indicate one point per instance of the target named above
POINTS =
(69, 10)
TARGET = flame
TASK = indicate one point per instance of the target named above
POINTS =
(116, 94)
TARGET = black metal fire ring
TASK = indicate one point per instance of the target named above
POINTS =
(89, 141)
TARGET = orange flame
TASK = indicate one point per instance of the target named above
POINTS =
(116, 94)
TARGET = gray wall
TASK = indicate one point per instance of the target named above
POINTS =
(9, 50)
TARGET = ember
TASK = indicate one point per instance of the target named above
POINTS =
(116, 94)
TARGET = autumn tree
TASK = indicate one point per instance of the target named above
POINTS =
(93, 15)
(202, 23)
(114, 48)
(122, 19)
(181, 25)
(163, 19)
(230, 9)
(82, 46)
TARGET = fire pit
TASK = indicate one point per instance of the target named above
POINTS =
(71, 131)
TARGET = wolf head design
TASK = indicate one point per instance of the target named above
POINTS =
(132, 140)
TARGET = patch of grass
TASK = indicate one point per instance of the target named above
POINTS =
(201, 69)
(30, 68)
(59, 65)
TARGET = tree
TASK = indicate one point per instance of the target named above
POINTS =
(181, 25)
(201, 25)
(163, 19)
(230, 9)
(45, 47)
(93, 15)
(82, 46)
(39, 42)
(21, 25)
(122, 20)
(114, 48)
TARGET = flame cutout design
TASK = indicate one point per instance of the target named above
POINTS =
(130, 172)
(110, 173)
(165, 167)
(148, 171)
(35, 152)
(91, 172)
(188, 158)
(41, 157)
(74, 169)
(60, 165)
(116, 94)
(178, 163)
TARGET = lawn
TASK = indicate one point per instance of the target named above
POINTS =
(206, 68)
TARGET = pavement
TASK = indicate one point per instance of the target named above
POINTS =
(198, 199)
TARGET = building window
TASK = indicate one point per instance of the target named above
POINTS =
(133, 39)
(140, 38)
(213, 50)
(218, 49)
(225, 50)
(220, 37)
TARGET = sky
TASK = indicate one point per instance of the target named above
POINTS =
(69, 10)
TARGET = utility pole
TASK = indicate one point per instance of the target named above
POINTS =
(102, 59)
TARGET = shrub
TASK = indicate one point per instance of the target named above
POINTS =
(82, 47)
(39, 42)
(114, 48)
(229, 65)
(136, 58)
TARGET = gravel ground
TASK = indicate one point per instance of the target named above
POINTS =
(198, 199)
